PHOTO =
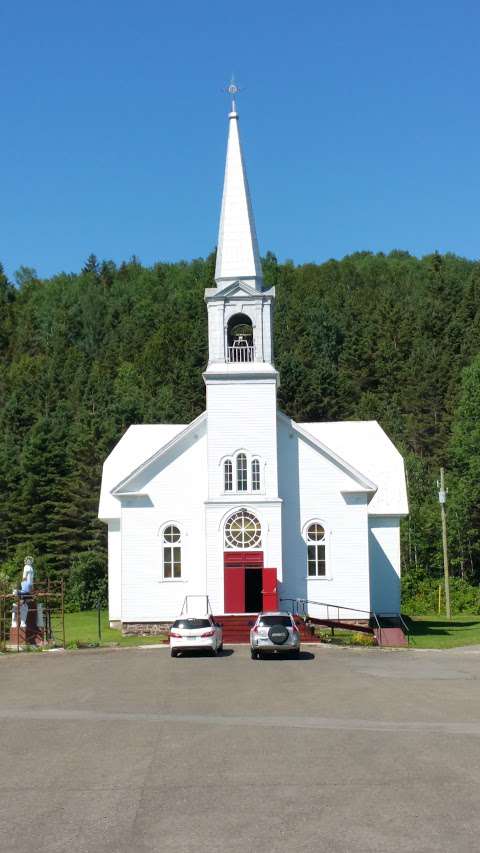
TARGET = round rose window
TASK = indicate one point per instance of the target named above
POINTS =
(242, 531)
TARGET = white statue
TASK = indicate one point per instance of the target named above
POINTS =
(27, 577)
(26, 588)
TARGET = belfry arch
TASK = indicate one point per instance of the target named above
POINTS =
(240, 343)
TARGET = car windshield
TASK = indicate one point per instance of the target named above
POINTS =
(191, 624)
(268, 621)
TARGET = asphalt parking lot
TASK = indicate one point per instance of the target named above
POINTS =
(344, 750)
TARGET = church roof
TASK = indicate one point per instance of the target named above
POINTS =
(361, 448)
(237, 250)
(368, 449)
(138, 443)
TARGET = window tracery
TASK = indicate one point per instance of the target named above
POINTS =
(242, 531)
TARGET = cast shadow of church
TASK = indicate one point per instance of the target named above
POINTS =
(294, 557)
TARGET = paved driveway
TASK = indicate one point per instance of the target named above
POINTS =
(344, 750)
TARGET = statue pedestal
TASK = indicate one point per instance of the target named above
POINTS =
(27, 627)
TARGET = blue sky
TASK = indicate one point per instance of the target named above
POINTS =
(360, 124)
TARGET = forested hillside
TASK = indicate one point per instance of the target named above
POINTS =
(372, 336)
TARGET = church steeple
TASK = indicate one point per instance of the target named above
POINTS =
(240, 378)
(239, 308)
(237, 250)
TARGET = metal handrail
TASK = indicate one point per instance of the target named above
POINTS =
(400, 618)
(306, 601)
(299, 606)
(184, 610)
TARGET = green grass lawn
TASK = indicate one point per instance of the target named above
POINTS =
(83, 628)
(426, 632)
(434, 632)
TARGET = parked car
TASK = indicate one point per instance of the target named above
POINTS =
(274, 632)
(190, 632)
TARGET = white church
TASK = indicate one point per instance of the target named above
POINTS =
(243, 504)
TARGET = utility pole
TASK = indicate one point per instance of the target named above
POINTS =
(442, 498)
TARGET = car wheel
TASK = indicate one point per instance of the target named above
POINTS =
(254, 654)
(173, 653)
(214, 651)
(296, 653)
(220, 648)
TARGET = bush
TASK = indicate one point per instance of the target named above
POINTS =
(86, 584)
(420, 594)
(361, 639)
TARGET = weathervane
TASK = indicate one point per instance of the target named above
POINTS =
(232, 89)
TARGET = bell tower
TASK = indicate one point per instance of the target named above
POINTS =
(241, 380)
(238, 305)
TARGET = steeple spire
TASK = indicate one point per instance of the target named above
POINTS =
(237, 250)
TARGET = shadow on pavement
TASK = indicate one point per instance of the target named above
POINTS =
(204, 653)
(287, 657)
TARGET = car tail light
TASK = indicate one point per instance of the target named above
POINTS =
(208, 633)
(255, 629)
(175, 634)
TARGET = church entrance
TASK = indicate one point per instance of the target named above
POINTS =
(249, 586)
(253, 590)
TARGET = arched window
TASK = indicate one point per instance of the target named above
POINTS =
(316, 550)
(243, 531)
(255, 475)
(172, 553)
(242, 477)
(228, 475)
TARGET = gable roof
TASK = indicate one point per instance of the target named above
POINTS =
(360, 448)
(137, 444)
(237, 288)
(126, 485)
(368, 448)
(365, 484)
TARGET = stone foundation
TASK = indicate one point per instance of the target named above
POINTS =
(145, 629)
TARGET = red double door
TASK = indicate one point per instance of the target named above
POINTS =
(249, 586)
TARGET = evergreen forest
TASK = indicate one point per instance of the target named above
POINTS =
(82, 356)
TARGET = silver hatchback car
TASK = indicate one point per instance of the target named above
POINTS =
(274, 632)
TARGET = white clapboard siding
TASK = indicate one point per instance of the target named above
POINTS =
(114, 570)
(311, 486)
(385, 564)
(242, 416)
(176, 494)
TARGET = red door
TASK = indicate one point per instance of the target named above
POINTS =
(269, 589)
(235, 563)
(235, 590)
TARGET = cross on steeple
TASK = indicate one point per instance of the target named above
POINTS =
(233, 90)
